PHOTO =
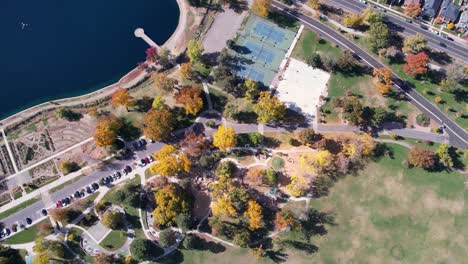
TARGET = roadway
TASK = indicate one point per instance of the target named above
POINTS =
(458, 136)
(399, 24)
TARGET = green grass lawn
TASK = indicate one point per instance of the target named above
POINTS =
(13, 210)
(384, 214)
(27, 235)
(114, 240)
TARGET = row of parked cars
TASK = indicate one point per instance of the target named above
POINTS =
(14, 228)
(145, 161)
(116, 175)
(77, 195)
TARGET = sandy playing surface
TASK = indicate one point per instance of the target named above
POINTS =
(302, 86)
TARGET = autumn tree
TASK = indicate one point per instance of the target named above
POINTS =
(416, 64)
(444, 154)
(163, 82)
(306, 136)
(194, 50)
(224, 138)
(223, 207)
(102, 258)
(378, 36)
(151, 54)
(158, 124)
(190, 98)
(170, 202)
(422, 158)
(383, 80)
(122, 98)
(353, 21)
(186, 70)
(158, 103)
(319, 162)
(260, 7)
(254, 213)
(455, 75)
(314, 4)
(169, 161)
(194, 145)
(255, 176)
(414, 44)
(251, 89)
(269, 108)
(284, 218)
(412, 10)
(106, 131)
(298, 185)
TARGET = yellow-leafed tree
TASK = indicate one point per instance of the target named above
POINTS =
(158, 123)
(383, 79)
(284, 218)
(298, 185)
(254, 213)
(224, 138)
(223, 207)
(122, 98)
(269, 108)
(186, 70)
(169, 161)
(260, 7)
(106, 131)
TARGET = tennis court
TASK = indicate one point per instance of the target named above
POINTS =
(264, 45)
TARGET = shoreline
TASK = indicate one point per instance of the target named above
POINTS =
(127, 79)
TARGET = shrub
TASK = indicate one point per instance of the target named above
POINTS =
(167, 237)
(277, 163)
(184, 221)
(210, 123)
(394, 136)
(270, 177)
(225, 169)
(190, 241)
(423, 120)
(438, 99)
(141, 249)
(68, 167)
(241, 238)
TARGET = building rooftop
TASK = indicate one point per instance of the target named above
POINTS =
(450, 10)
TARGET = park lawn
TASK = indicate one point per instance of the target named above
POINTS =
(109, 196)
(309, 43)
(13, 210)
(114, 240)
(219, 99)
(27, 235)
(456, 110)
(388, 213)
(75, 245)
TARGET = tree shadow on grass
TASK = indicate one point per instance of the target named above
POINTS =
(299, 245)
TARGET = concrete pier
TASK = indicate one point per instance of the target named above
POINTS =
(140, 33)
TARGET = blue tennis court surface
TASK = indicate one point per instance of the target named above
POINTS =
(265, 45)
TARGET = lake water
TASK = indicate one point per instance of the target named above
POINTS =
(51, 49)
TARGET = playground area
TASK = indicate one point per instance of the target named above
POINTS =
(260, 48)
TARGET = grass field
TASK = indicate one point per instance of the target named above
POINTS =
(114, 240)
(384, 214)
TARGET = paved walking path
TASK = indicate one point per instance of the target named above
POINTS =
(10, 153)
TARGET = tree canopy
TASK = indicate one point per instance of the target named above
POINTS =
(269, 108)
(224, 138)
(158, 124)
(190, 98)
(378, 36)
(416, 64)
(169, 161)
(170, 202)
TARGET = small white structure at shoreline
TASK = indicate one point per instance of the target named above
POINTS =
(140, 33)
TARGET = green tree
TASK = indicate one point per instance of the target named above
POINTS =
(190, 241)
(306, 136)
(112, 219)
(270, 177)
(167, 237)
(184, 221)
(251, 89)
(241, 238)
(10, 255)
(225, 169)
(378, 36)
(141, 249)
(194, 50)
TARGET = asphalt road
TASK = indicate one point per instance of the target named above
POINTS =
(458, 137)
(399, 24)
(34, 211)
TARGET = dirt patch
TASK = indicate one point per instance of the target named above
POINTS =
(432, 202)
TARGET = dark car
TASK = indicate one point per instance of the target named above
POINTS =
(142, 141)
(28, 220)
(7, 231)
(44, 212)
(88, 190)
(147, 160)
(64, 202)
(442, 44)
(77, 194)
(128, 169)
(95, 186)
(14, 228)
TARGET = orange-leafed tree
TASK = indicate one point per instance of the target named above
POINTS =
(284, 218)
(186, 70)
(163, 82)
(255, 176)
(224, 138)
(254, 213)
(158, 124)
(416, 64)
(106, 131)
(260, 7)
(314, 4)
(169, 161)
(190, 98)
(383, 80)
(122, 98)
(422, 158)
(412, 10)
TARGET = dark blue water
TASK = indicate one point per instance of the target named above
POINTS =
(71, 47)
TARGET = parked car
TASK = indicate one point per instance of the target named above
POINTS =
(143, 142)
(150, 157)
(28, 220)
(14, 228)
(44, 212)
(59, 204)
(95, 186)
(67, 199)
(88, 189)
(147, 161)
(6, 231)
(128, 169)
